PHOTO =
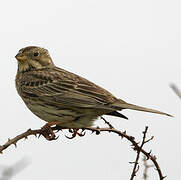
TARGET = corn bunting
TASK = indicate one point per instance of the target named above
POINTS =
(60, 97)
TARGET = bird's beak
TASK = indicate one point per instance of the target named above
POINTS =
(20, 57)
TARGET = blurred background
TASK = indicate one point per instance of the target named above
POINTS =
(131, 48)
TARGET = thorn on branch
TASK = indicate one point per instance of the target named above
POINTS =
(149, 154)
(132, 138)
(39, 136)
(133, 162)
(98, 132)
(15, 144)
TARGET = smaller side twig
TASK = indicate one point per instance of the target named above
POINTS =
(108, 123)
(136, 164)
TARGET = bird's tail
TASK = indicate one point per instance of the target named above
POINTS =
(119, 105)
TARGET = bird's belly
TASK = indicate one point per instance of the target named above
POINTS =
(68, 118)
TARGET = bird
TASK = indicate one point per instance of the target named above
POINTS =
(63, 98)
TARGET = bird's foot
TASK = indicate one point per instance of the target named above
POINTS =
(47, 131)
(75, 133)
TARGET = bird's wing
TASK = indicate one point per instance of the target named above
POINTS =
(62, 87)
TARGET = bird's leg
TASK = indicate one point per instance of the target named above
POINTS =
(48, 132)
(75, 133)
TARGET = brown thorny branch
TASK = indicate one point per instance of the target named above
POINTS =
(49, 134)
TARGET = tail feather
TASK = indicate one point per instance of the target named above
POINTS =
(119, 106)
(117, 114)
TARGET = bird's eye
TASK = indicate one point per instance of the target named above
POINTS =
(36, 54)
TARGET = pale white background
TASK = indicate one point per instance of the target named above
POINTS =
(132, 48)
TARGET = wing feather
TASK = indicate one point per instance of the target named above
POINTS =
(62, 87)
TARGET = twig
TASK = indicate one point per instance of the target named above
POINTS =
(108, 123)
(97, 130)
(136, 164)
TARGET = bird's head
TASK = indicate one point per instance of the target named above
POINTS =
(33, 58)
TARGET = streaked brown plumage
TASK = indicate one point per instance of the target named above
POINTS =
(54, 94)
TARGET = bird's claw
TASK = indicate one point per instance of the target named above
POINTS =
(48, 133)
(75, 133)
